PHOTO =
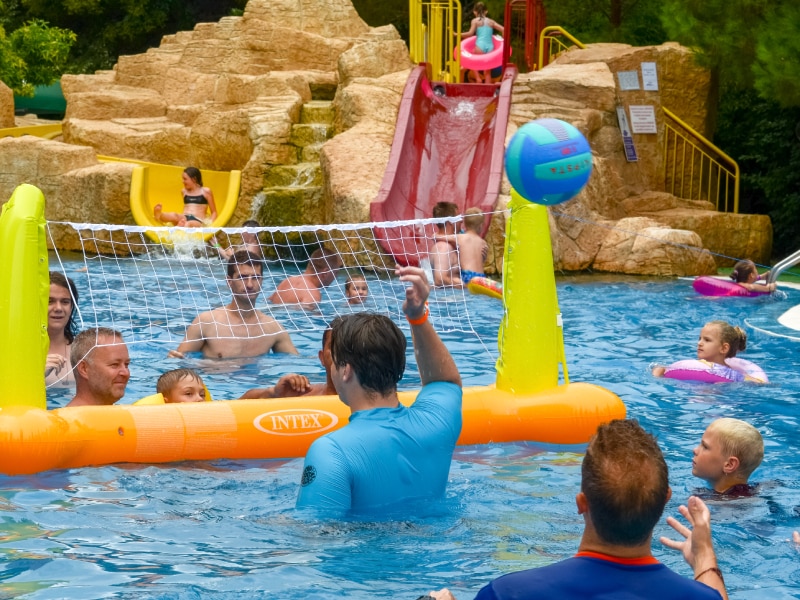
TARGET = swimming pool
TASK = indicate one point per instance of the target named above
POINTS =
(228, 529)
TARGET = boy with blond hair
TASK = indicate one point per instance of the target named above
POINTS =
(728, 453)
(472, 248)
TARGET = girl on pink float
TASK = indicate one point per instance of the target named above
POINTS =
(746, 275)
(199, 208)
(716, 358)
(482, 27)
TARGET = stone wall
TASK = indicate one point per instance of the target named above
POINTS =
(6, 106)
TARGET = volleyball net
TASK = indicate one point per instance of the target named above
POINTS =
(150, 285)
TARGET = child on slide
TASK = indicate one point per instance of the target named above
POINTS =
(482, 27)
(199, 208)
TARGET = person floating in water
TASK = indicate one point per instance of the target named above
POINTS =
(728, 453)
(199, 208)
(746, 275)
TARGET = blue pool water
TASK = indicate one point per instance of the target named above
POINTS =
(228, 529)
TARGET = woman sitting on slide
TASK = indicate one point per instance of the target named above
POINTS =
(198, 202)
(482, 27)
(746, 275)
(61, 330)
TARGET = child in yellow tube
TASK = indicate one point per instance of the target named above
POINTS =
(181, 385)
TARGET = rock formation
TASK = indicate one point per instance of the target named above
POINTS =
(6, 106)
(231, 95)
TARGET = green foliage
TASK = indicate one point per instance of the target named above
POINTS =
(632, 22)
(776, 68)
(34, 54)
(764, 139)
(107, 29)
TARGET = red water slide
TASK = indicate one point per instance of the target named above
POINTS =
(448, 146)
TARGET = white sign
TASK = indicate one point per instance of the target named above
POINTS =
(628, 80)
(643, 119)
(649, 76)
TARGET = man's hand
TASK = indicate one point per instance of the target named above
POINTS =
(175, 354)
(417, 293)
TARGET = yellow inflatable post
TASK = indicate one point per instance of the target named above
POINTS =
(530, 338)
(24, 293)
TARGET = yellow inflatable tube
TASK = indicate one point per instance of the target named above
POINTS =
(155, 183)
(34, 440)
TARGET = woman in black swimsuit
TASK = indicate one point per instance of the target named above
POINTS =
(198, 201)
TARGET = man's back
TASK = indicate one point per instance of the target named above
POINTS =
(297, 289)
(386, 455)
(596, 578)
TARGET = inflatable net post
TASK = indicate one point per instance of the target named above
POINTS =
(151, 291)
(24, 293)
(530, 337)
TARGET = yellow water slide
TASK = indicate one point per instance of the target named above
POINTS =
(155, 183)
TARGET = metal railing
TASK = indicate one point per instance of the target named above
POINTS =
(435, 34)
(552, 43)
(781, 266)
(696, 169)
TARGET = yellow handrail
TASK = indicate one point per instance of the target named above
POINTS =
(690, 168)
(435, 33)
(699, 171)
(547, 35)
(44, 131)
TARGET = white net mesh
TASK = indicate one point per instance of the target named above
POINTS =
(151, 285)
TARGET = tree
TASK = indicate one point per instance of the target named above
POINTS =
(34, 54)
(632, 22)
(747, 43)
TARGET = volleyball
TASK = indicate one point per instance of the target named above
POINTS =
(548, 161)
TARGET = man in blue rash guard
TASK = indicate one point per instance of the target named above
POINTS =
(624, 488)
(387, 453)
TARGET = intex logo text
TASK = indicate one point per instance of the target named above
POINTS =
(295, 421)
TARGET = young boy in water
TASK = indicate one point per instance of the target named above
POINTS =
(356, 289)
(728, 453)
(472, 248)
(181, 385)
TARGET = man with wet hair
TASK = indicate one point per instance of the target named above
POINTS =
(389, 453)
(443, 255)
(304, 289)
(624, 489)
(237, 329)
(102, 363)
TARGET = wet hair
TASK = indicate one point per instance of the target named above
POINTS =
(352, 279)
(251, 223)
(626, 482)
(742, 271)
(61, 280)
(170, 379)
(444, 209)
(742, 440)
(195, 175)
(473, 219)
(373, 346)
(480, 9)
(325, 336)
(245, 257)
(324, 260)
(735, 337)
(88, 339)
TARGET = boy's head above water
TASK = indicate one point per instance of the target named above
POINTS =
(728, 453)
(181, 385)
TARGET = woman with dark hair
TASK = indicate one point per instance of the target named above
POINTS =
(61, 329)
(199, 208)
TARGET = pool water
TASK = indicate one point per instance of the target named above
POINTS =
(228, 529)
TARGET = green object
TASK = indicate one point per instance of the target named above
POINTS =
(47, 101)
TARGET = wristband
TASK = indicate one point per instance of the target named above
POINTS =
(711, 570)
(421, 319)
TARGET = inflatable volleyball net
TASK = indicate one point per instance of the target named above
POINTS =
(151, 284)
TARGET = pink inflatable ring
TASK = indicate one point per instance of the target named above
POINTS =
(713, 286)
(481, 62)
(737, 370)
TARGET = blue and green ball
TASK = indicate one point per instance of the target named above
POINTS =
(548, 161)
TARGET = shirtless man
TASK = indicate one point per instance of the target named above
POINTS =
(293, 384)
(443, 256)
(304, 289)
(250, 243)
(102, 367)
(237, 329)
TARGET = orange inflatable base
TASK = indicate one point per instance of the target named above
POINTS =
(33, 440)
